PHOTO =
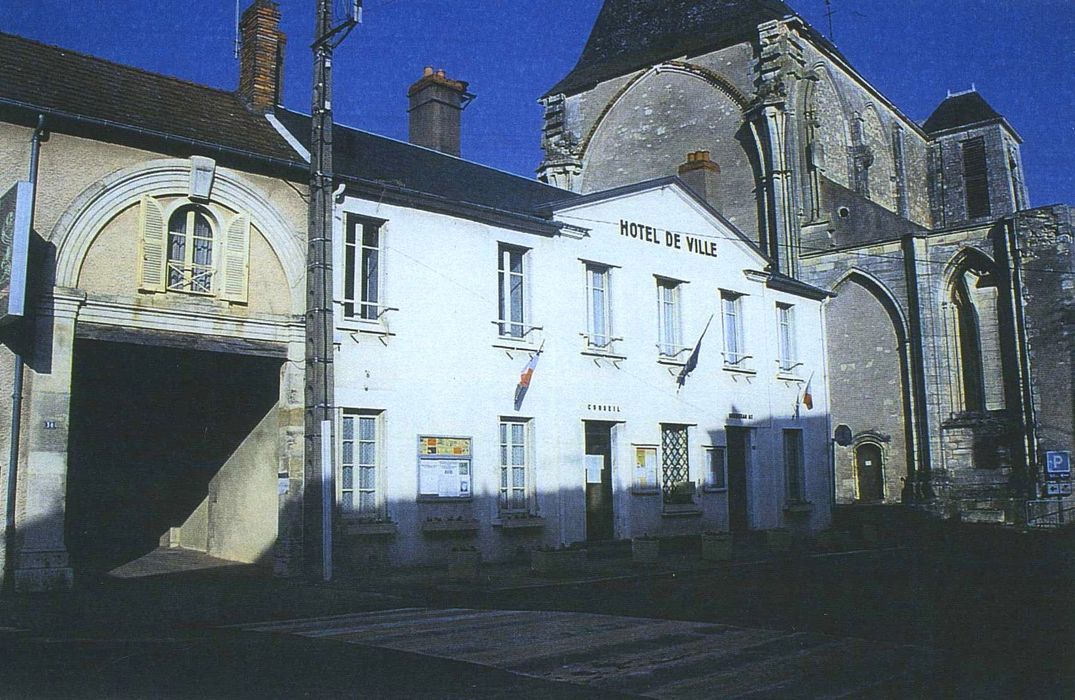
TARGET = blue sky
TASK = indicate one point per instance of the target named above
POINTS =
(1020, 55)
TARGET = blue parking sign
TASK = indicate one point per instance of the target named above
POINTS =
(1058, 463)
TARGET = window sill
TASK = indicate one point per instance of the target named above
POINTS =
(519, 522)
(359, 325)
(798, 507)
(685, 510)
(789, 377)
(670, 361)
(637, 491)
(353, 528)
(743, 371)
(604, 354)
(444, 499)
(504, 343)
(450, 527)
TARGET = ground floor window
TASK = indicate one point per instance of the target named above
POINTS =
(716, 474)
(515, 476)
(675, 464)
(793, 465)
(360, 436)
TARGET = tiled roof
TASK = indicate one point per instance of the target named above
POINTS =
(632, 34)
(377, 159)
(963, 109)
(51, 79)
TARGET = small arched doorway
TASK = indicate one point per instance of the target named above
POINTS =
(870, 472)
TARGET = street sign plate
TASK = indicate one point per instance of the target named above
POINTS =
(1058, 462)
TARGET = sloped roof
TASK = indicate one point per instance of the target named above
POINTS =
(963, 109)
(360, 154)
(632, 34)
(37, 76)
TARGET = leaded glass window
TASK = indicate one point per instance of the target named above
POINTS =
(675, 463)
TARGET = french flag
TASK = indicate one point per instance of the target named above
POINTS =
(524, 380)
(808, 397)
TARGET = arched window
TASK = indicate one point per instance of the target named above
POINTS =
(190, 251)
(979, 365)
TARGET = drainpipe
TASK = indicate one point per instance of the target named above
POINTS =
(40, 135)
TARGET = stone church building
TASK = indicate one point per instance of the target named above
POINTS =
(948, 334)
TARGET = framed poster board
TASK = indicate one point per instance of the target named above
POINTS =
(445, 467)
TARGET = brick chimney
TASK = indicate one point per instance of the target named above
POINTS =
(436, 105)
(261, 56)
(703, 176)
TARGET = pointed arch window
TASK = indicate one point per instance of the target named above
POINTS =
(977, 347)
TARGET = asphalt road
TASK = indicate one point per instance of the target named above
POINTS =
(979, 619)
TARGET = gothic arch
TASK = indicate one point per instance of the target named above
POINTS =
(869, 365)
(882, 172)
(879, 290)
(825, 146)
(711, 77)
(973, 342)
(658, 118)
(75, 231)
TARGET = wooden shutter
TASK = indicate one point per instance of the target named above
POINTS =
(235, 261)
(153, 246)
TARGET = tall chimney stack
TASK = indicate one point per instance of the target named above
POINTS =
(703, 176)
(436, 105)
(261, 56)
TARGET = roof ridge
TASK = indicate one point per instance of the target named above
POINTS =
(122, 66)
(433, 151)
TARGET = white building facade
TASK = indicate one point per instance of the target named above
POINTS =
(439, 316)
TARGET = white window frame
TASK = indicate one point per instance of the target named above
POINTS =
(711, 483)
(357, 280)
(600, 339)
(787, 340)
(669, 318)
(794, 466)
(188, 270)
(731, 316)
(353, 459)
(512, 498)
(508, 326)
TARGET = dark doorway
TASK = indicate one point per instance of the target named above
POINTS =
(150, 428)
(738, 479)
(599, 510)
(870, 469)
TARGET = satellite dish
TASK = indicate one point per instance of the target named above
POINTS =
(842, 435)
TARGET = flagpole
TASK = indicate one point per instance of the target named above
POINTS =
(692, 361)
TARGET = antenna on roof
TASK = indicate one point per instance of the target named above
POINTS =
(237, 41)
(829, 12)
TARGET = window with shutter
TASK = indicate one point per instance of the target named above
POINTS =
(236, 261)
(153, 242)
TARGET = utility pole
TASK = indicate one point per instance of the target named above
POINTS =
(319, 491)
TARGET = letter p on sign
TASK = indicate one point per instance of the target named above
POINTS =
(1058, 462)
